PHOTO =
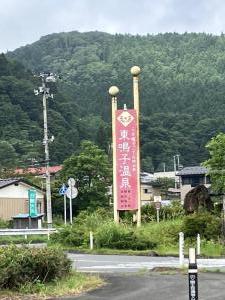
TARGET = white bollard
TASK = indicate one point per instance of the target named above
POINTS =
(181, 248)
(198, 244)
(91, 240)
(193, 275)
(26, 234)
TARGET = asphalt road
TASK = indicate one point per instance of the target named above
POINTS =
(155, 286)
(125, 263)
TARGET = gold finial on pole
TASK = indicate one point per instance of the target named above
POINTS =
(113, 91)
(135, 71)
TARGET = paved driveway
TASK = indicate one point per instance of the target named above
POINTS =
(156, 287)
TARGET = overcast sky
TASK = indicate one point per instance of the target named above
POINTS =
(25, 21)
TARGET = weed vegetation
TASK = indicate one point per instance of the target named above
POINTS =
(151, 238)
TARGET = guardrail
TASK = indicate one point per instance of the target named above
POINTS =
(27, 231)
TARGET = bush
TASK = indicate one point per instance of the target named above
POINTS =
(163, 233)
(19, 266)
(115, 236)
(170, 212)
(92, 220)
(206, 224)
(5, 224)
(71, 236)
(77, 235)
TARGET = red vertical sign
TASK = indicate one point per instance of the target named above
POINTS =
(126, 159)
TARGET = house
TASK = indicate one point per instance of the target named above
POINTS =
(14, 197)
(148, 188)
(190, 177)
(148, 191)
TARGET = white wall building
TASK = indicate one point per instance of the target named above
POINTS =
(14, 198)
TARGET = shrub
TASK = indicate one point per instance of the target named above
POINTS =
(115, 236)
(19, 266)
(4, 224)
(92, 220)
(77, 235)
(170, 212)
(206, 224)
(71, 236)
(164, 233)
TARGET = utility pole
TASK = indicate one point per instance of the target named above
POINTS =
(45, 92)
(176, 163)
(175, 169)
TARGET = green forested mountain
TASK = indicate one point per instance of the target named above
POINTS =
(21, 119)
(182, 92)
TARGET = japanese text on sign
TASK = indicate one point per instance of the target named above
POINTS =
(126, 159)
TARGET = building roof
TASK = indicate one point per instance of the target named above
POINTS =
(10, 181)
(196, 170)
(171, 174)
(38, 170)
(25, 216)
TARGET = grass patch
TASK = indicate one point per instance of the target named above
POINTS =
(73, 284)
(31, 239)
(211, 249)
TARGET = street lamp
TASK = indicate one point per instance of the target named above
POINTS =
(135, 72)
(113, 92)
(45, 92)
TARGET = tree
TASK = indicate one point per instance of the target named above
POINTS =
(216, 162)
(92, 171)
(7, 155)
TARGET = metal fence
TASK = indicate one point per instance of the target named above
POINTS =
(26, 232)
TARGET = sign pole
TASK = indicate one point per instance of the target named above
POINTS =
(64, 208)
(71, 193)
(193, 275)
(157, 212)
(71, 212)
(135, 71)
(113, 91)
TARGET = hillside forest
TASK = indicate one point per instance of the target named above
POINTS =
(182, 95)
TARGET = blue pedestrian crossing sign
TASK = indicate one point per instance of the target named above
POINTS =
(62, 190)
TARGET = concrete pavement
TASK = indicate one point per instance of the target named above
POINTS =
(154, 286)
(125, 263)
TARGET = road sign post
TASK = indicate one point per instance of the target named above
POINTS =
(62, 192)
(157, 202)
(71, 193)
(64, 198)
(193, 275)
